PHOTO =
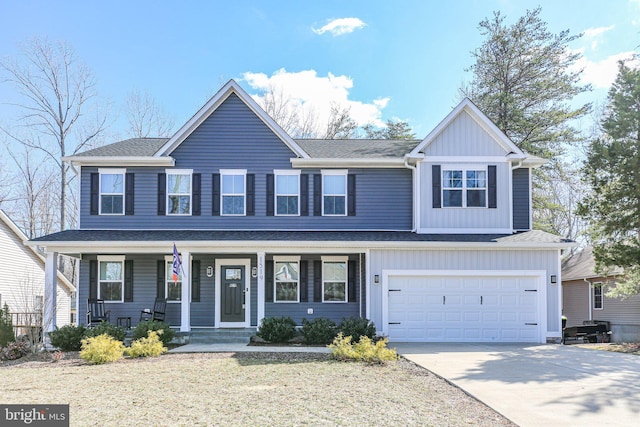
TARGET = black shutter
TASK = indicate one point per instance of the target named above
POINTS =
(268, 283)
(215, 185)
(436, 177)
(195, 281)
(351, 194)
(162, 194)
(270, 197)
(196, 179)
(317, 281)
(317, 195)
(351, 275)
(128, 193)
(304, 281)
(304, 195)
(128, 280)
(492, 187)
(95, 193)
(160, 280)
(93, 279)
(251, 194)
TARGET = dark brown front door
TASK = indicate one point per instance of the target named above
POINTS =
(232, 294)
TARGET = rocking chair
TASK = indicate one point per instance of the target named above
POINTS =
(96, 313)
(158, 313)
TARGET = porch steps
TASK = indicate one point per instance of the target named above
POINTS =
(224, 335)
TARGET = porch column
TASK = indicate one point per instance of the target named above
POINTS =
(261, 256)
(185, 306)
(50, 301)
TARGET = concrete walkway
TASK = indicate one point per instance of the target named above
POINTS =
(539, 385)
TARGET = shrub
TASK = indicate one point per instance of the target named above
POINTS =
(15, 350)
(357, 327)
(102, 349)
(319, 331)
(68, 338)
(364, 350)
(6, 327)
(165, 333)
(116, 332)
(150, 346)
(277, 329)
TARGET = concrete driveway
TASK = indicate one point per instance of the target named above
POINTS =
(539, 385)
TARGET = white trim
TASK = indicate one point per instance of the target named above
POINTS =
(369, 281)
(185, 299)
(119, 161)
(417, 196)
(120, 258)
(539, 274)
(337, 259)
(594, 285)
(287, 260)
(285, 172)
(179, 172)
(466, 159)
(111, 258)
(246, 263)
(510, 195)
(365, 163)
(465, 230)
(112, 171)
(233, 172)
(531, 200)
(464, 169)
(261, 286)
(108, 171)
(230, 87)
(336, 172)
(331, 258)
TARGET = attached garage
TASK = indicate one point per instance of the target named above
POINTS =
(465, 306)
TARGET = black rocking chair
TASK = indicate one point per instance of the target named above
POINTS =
(158, 313)
(96, 313)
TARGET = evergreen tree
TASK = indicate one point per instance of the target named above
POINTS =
(394, 130)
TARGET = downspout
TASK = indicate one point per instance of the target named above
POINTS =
(590, 296)
(517, 166)
(414, 189)
(360, 283)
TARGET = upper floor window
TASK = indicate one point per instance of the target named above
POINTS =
(464, 188)
(334, 193)
(179, 192)
(334, 279)
(598, 296)
(233, 191)
(287, 280)
(287, 192)
(111, 278)
(112, 191)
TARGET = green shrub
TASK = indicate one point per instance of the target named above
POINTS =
(115, 332)
(319, 331)
(150, 346)
(365, 350)
(277, 329)
(102, 349)
(15, 350)
(6, 327)
(68, 338)
(357, 327)
(165, 333)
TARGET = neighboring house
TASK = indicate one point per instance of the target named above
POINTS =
(22, 271)
(431, 239)
(584, 298)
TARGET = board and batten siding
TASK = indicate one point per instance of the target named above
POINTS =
(464, 218)
(464, 137)
(232, 137)
(456, 260)
(521, 199)
(23, 278)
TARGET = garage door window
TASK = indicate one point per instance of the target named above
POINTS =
(334, 281)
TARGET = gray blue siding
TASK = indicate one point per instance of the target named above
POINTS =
(521, 201)
(234, 138)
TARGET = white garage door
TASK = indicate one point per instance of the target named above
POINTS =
(478, 308)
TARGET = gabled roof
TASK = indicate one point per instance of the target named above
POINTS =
(33, 249)
(582, 265)
(467, 106)
(212, 105)
(136, 147)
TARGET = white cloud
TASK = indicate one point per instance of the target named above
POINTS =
(340, 26)
(312, 95)
(593, 32)
(601, 74)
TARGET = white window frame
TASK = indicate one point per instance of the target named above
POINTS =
(464, 188)
(336, 172)
(289, 259)
(334, 259)
(285, 172)
(233, 172)
(168, 279)
(593, 295)
(180, 172)
(111, 258)
(108, 171)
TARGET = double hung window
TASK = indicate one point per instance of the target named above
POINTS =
(112, 191)
(334, 280)
(334, 193)
(286, 280)
(287, 192)
(172, 289)
(464, 188)
(111, 278)
(598, 296)
(233, 192)
(179, 192)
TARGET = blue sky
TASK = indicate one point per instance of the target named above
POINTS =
(392, 60)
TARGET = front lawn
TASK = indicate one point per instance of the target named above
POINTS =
(249, 389)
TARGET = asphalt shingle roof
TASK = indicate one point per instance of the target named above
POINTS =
(582, 265)
(136, 147)
(357, 148)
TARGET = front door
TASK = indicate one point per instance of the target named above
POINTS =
(232, 294)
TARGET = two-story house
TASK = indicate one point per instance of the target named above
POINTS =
(431, 239)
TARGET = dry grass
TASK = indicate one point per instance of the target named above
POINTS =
(243, 389)
(629, 348)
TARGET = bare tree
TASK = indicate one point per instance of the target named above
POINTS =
(281, 109)
(56, 104)
(340, 125)
(146, 118)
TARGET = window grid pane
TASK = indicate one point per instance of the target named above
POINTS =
(111, 193)
(287, 278)
(178, 194)
(287, 194)
(110, 280)
(334, 281)
(233, 194)
(173, 289)
(464, 188)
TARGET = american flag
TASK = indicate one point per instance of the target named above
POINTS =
(177, 264)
